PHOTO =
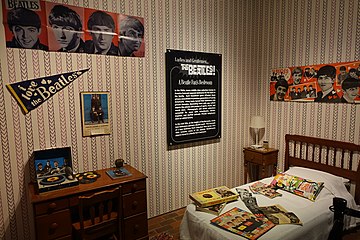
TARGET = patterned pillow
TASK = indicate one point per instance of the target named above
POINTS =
(297, 185)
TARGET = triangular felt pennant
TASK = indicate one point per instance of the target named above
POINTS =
(32, 93)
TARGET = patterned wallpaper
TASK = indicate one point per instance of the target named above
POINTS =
(252, 36)
(304, 33)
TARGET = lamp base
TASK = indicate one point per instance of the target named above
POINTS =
(256, 146)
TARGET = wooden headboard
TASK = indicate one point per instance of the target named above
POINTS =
(338, 158)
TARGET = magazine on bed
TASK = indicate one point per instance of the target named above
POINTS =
(264, 189)
(243, 193)
(253, 207)
(278, 215)
(243, 223)
(214, 209)
(213, 196)
(249, 201)
(256, 187)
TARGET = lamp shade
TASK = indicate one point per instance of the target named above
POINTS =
(257, 122)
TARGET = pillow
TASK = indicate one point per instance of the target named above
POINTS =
(330, 181)
(299, 186)
(315, 175)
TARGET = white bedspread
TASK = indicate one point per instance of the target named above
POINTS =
(316, 217)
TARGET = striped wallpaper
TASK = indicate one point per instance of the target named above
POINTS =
(252, 36)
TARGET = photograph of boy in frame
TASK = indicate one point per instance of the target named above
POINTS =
(95, 115)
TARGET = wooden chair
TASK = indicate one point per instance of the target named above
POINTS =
(99, 215)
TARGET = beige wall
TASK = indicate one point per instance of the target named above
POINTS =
(252, 36)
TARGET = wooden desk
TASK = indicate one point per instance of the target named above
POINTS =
(55, 211)
(261, 158)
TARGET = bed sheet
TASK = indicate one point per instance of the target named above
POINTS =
(316, 217)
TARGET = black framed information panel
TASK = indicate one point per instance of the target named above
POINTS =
(193, 85)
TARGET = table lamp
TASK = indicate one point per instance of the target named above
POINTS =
(256, 123)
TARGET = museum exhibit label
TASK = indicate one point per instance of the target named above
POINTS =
(193, 84)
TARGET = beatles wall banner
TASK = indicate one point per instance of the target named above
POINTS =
(49, 26)
(32, 93)
(193, 87)
(330, 83)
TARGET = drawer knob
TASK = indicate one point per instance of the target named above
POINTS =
(135, 186)
(136, 228)
(54, 226)
(52, 206)
(135, 204)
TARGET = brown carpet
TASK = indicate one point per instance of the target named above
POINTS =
(167, 224)
(162, 236)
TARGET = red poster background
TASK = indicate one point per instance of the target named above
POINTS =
(43, 35)
(87, 14)
(53, 43)
(141, 51)
(312, 80)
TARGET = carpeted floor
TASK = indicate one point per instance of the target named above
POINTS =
(167, 224)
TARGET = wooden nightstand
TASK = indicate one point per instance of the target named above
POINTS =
(263, 159)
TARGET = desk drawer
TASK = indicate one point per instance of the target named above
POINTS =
(51, 206)
(253, 157)
(136, 227)
(133, 186)
(134, 203)
(270, 158)
(53, 225)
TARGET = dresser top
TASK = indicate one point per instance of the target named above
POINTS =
(103, 181)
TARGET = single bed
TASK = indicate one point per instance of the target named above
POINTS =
(333, 162)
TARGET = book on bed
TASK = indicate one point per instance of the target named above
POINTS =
(243, 223)
(213, 196)
(214, 209)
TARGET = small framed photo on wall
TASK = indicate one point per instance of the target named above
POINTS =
(95, 113)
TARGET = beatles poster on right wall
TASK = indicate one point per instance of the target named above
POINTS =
(330, 83)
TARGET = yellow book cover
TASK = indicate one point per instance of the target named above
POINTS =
(213, 196)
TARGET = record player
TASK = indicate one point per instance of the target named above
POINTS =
(53, 169)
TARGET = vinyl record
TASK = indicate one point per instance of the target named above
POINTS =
(85, 180)
(78, 175)
(52, 180)
(91, 176)
(87, 177)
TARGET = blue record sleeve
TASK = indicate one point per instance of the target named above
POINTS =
(118, 173)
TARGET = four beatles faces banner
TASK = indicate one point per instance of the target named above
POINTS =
(58, 27)
(331, 83)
